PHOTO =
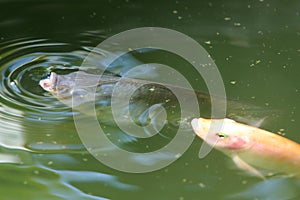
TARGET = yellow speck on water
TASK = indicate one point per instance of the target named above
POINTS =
(257, 62)
(267, 104)
(36, 172)
(207, 42)
(237, 24)
(151, 89)
(227, 18)
(184, 180)
(233, 82)
(50, 163)
(85, 159)
(175, 11)
(270, 174)
(281, 131)
(202, 185)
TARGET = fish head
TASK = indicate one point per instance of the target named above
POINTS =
(77, 88)
(49, 83)
(223, 134)
(59, 85)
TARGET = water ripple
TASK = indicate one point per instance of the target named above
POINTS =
(26, 110)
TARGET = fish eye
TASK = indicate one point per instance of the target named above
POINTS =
(222, 135)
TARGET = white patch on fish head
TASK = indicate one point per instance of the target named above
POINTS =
(201, 127)
(48, 84)
(224, 134)
(60, 86)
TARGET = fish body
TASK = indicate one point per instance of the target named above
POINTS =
(79, 88)
(251, 148)
(63, 86)
(81, 84)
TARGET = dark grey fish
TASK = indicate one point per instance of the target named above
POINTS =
(79, 83)
(79, 87)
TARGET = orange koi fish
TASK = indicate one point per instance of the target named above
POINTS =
(251, 148)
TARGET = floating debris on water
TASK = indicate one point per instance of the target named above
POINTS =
(233, 82)
(202, 185)
(50, 163)
(255, 63)
(281, 131)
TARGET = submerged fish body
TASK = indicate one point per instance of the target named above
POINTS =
(78, 88)
(252, 149)
(62, 86)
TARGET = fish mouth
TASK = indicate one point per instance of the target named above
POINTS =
(200, 126)
(205, 130)
(195, 123)
(50, 83)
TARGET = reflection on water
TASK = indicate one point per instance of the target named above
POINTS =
(273, 189)
(25, 107)
(61, 184)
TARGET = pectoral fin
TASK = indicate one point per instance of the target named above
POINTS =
(245, 166)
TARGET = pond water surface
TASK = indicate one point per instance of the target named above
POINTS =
(255, 45)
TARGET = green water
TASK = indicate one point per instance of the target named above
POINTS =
(255, 45)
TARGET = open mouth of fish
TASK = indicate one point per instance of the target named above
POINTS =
(50, 83)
